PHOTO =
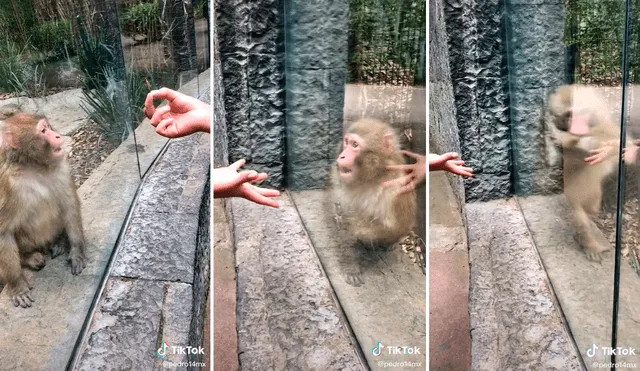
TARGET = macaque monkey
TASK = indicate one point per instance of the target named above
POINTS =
(579, 121)
(366, 211)
(39, 207)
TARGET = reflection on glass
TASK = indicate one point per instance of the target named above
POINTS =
(575, 233)
(87, 66)
(365, 260)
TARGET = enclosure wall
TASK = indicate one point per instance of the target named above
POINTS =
(536, 57)
(316, 56)
(443, 128)
(476, 54)
(249, 34)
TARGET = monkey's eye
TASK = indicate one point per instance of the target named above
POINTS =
(355, 144)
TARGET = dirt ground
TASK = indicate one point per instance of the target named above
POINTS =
(88, 151)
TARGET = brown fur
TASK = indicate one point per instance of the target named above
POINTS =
(366, 211)
(583, 181)
(38, 207)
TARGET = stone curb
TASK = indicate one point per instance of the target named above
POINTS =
(157, 289)
(515, 321)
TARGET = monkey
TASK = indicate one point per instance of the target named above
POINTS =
(39, 206)
(579, 121)
(367, 213)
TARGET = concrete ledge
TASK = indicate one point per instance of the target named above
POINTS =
(515, 322)
(148, 299)
(584, 288)
(287, 317)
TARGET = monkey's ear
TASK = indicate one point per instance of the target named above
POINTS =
(10, 140)
(387, 143)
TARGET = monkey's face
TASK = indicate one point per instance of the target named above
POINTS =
(352, 145)
(51, 141)
(575, 121)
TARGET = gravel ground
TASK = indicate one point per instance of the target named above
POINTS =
(88, 150)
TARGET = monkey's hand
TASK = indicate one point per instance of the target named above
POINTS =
(20, 294)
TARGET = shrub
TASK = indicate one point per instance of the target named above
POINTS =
(142, 19)
(116, 106)
(17, 74)
(54, 36)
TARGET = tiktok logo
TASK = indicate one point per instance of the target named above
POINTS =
(377, 350)
(162, 351)
(591, 352)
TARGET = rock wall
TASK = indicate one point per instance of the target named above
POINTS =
(477, 64)
(443, 128)
(316, 60)
(536, 57)
(251, 44)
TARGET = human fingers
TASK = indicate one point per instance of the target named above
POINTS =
(244, 177)
(260, 177)
(449, 156)
(167, 128)
(149, 109)
(266, 191)
(405, 189)
(411, 154)
(255, 196)
(158, 115)
(164, 94)
(399, 167)
(463, 171)
(399, 181)
(238, 164)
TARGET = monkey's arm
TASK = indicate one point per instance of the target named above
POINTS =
(11, 271)
(73, 228)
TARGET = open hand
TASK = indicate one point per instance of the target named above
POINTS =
(181, 116)
(227, 182)
(414, 174)
(448, 162)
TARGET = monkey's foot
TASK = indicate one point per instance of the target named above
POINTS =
(36, 261)
(20, 296)
(77, 262)
(57, 250)
(354, 279)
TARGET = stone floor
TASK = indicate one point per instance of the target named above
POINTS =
(449, 332)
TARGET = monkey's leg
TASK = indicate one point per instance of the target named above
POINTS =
(11, 272)
(75, 234)
(59, 246)
(350, 260)
(586, 235)
(34, 261)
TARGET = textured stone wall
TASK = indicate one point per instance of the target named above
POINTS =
(536, 65)
(477, 63)
(316, 42)
(220, 138)
(250, 40)
(443, 128)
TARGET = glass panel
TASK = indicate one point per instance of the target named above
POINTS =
(65, 60)
(569, 200)
(628, 324)
(374, 72)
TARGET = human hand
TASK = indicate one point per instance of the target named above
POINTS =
(630, 154)
(600, 154)
(414, 174)
(448, 163)
(181, 116)
(227, 182)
